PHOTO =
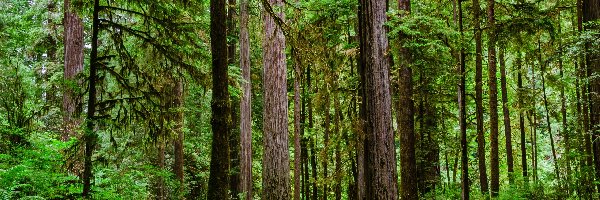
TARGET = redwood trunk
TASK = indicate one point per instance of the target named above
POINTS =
(380, 164)
(276, 169)
(73, 41)
(218, 183)
(245, 106)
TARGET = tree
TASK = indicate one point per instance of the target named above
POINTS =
(506, 113)
(73, 44)
(483, 180)
(276, 170)
(591, 12)
(380, 165)
(492, 83)
(90, 134)
(218, 183)
(462, 113)
(245, 109)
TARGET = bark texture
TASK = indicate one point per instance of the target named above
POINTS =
(276, 169)
(493, 94)
(73, 42)
(483, 180)
(178, 143)
(218, 183)
(506, 113)
(245, 106)
(380, 164)
(591, 12)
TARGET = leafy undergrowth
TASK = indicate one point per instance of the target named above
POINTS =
(35, 169)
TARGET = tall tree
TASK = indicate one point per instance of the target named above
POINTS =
(178, 142)
(483, 180)
(276, 170)
(520, 97)
(90, 134)
(591, 12)
(462, 112)
(493, 94)
(218, 183)
(245, 108)
(234, 138)
(380, 165)
(408, 163)
(297, 128)
(545, 98)
(506, 113)
(73, 42)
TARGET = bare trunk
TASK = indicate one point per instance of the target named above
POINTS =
(380, 164)
(218, 183)
(462, 113)
(245, 106)
(506, 113)
(483, 180)
(297, 128)
(276, 169)
(493, 93)
(73, 41)
(591, 12)
(178, 143)
(521, 118)
(408, 163)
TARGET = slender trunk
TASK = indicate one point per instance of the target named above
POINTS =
(338, 159)
(591, 12)
(493, 93)
(313, 163)
(483, 180)
(178, 143)
(380, 164)
(462, 113)
(160, 164)
(297, 128)
(361, 134)
(534, 124)
(553, 149)
(218, 183)
(506, 113)
(90, 135)
(521, 118)
(276, 170)
(327, 126)
(587, 169)
(73, 44)
(563, 110)
(234, 140)
(245, 106)
(408, 163)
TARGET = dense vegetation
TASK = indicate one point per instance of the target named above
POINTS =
(299, 99)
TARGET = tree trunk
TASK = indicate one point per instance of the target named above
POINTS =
(218, 183)
(245, 106)
(506, 113)
(297, 128)
(327, 126)
(492, 82)
(521, 118)
(276, 169)
(380, 165)
(73, 41)
(591, 12)
(483, 180)
(234, 140)
(563, 110)
(160, 164)
(543, 71)
(338, 160)
(462, 113)
(408, 163)
(178, 143)
(90, 134)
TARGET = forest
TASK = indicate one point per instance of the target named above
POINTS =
(299, 99)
